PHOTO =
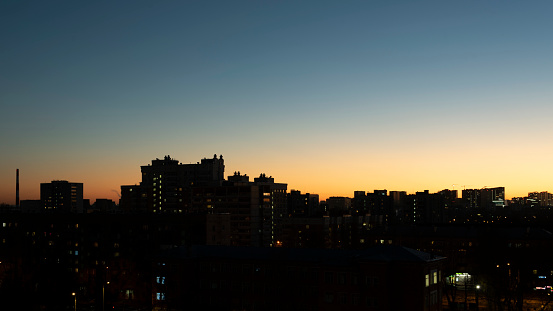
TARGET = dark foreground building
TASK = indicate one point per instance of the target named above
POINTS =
(245, 278)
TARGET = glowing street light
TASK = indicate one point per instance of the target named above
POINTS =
(75, 295)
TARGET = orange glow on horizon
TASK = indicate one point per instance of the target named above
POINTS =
(337, 174)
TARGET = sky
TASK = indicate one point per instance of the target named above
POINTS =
(329, 97)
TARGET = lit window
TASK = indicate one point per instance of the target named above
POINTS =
(427, 280)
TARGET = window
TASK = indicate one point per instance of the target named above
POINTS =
(371, 281)
(342, 278)
(329, 297)
(427, 280)
(329, 277)
(371, 302)
(355, 299)
(433, 297)
(160, 280)
(343, 298)
(160, 296)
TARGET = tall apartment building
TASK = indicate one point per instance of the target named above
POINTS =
(62, 196)
(484, 198)
(255, 210)
(302, 205)
(543, 198)
(166, 185)
(338, 205)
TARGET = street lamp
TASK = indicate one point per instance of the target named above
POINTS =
(103, 300)
(75, 295)
(476, 294)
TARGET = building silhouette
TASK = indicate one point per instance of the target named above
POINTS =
(166, 185)
(382, 278)
(255, 210)
(484, 198)
(302, 205)
(62, 196)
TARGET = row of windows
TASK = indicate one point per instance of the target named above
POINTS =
(160, 280)
(432, 278)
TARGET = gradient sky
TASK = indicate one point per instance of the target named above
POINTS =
(327, 96)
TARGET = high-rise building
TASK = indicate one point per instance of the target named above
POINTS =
(302, 205)
(493, 197)
(484, 198)
(167, 185)
(543, 198)
(338, 205)
(62, 196)
(256, 209)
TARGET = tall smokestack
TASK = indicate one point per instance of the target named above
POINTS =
(17, 188)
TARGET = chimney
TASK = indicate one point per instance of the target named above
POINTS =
(17, 188)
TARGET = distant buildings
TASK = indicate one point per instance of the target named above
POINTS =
(484, 198)
(166, 185)
(338, 205)
(302, 205)
(543, 198)
(62, 196)
(256, 209)
(240, 244)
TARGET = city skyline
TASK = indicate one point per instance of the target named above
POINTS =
(116, 194)
(327, 97)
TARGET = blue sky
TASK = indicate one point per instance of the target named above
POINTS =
(311, 92)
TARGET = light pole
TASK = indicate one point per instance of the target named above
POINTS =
(477, 289)
(75, 295)
(103, 300)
